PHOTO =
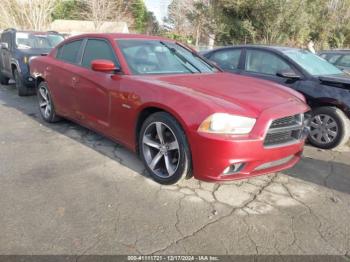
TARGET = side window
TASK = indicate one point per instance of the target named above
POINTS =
(333, 58)
(344, 61)
(98, 49)
(227, 59)
(69, 52)
(264, 63)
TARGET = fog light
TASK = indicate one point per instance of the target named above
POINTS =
(232, 169)
(30, 79)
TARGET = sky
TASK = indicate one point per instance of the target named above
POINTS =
(158, 7)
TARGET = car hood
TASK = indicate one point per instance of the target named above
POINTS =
(341, 80)
(248, 93)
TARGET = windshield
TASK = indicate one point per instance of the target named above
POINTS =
(312, 64)
(160, 57)
(37, 41)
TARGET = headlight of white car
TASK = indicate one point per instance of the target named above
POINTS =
(222, 123)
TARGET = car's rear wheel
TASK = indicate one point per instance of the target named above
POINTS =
(3, 79)
(46, 105)
(164, 149)
(22, 89)
(329, 128)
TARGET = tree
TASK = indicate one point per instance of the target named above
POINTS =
(26, 14)
(100, 11)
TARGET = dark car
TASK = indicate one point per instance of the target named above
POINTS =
(16, 49)
(339, 58)
(325, 87)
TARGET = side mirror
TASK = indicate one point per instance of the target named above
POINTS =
(5, 45)
(289, 74)
(106, 66)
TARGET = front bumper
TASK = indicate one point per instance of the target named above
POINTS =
(212, 154)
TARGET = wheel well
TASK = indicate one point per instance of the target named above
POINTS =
(38, 80)
(146, 112)
(343, 108)
(13, 68)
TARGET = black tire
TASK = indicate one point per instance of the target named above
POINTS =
(22, 89)
(340, 127)
(4, 80)
(172, 135)
(50, 117)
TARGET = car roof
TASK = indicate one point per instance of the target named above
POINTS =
(266, 47)
(119, 36)
(335, 51)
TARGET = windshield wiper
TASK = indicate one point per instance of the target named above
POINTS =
(181, 57)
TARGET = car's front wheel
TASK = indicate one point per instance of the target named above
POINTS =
(46, 105)
(329, 128)
(164, 149)
(22, 89)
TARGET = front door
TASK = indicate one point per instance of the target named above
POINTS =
(93, 88)
(265, 65)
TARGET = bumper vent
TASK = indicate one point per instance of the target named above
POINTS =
(287, 130)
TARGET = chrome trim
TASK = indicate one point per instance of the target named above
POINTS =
(301, 126)
(275, 163)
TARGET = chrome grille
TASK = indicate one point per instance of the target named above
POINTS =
(285, 130)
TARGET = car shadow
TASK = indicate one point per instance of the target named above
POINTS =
(91, 139)
(332, 174)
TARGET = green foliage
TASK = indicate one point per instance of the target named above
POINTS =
(67, 9)
(140, 15)
(286, 22)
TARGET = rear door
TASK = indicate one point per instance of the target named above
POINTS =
(228, 59)
(265, 64)
(93, 88)
(62, 78)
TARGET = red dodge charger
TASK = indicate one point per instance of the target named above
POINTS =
(180, 113)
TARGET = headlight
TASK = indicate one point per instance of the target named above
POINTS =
(223, 123)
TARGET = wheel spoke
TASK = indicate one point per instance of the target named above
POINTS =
(155, 160)
(332, 124)
(43, 93)
(47, 110)
(318, 119)
(159, 128)
(43, 104)
(331, 133)
(319, 137)
(326, 119)
(149, 142)
(169, 167)
(326, 138)
(173, 145)
(315, 132)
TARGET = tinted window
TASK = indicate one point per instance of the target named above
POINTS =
(69, 52)
(265, 62)
(332, 58)
(26, 40)
(227, 59)
(344, 61)
(97, 49)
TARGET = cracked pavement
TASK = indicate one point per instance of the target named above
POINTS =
(67, 190)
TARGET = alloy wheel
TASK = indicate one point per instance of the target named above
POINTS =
(45, 102)
(323, 129)
(161, 149)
